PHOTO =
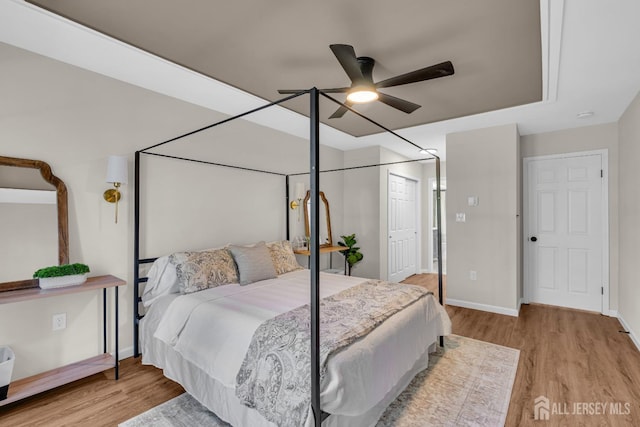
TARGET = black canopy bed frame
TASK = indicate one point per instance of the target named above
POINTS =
(314, 243)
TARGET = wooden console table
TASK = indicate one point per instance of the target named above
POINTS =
(56, 377)
(324, 250)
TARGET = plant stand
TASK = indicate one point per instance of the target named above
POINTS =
(30, 386)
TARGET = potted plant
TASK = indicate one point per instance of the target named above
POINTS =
(352, 254)
(59, 276)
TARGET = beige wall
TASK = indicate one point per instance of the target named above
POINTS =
(362, 208)
(213, 206)
(484, 163)
(586, 139)
(629, 175)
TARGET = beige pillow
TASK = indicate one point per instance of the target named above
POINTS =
(254, 263)
(205, 269)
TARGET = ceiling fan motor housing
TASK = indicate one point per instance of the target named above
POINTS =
(366, 66)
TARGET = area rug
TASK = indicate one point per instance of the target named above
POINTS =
(466, 384)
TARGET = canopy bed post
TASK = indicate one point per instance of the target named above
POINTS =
(314, 259)
(439, 236)
(286, 207)
(136, 257)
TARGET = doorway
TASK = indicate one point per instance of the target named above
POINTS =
(402, 227)
(566, 243)
(432, 264)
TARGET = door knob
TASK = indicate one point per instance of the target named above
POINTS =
(534, 239)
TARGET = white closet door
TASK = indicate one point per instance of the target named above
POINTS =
(403, 230)
(564, 245)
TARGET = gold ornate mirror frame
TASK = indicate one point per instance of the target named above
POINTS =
(61, 199)
(307, 231)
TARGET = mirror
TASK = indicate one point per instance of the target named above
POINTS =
(29, 190)
(325, 221)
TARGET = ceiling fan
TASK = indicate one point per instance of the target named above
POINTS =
(363, 89)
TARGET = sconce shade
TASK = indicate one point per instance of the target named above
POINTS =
(117, 169)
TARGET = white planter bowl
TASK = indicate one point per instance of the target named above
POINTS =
(62, 281)
(6, 368)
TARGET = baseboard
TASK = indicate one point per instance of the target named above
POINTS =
(125, 353)
(482, 307)
(613, 313)
(632, 335)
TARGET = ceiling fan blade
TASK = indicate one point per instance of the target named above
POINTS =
(286, 91)
(336, 90)
(340, 111)
(347, 58)
(433, 72)
(400, 104)
(330, 90)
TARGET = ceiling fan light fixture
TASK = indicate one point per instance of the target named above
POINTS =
(362, 94)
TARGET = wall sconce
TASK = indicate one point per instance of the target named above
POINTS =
(117, 174)
(300, 193)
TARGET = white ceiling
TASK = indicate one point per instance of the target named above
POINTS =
(591, 62)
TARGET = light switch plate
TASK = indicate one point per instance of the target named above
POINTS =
(472, 200)
(461, 217)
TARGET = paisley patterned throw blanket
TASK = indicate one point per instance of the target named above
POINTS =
(275, 376)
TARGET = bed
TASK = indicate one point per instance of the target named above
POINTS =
(357, 382)
(200, 340)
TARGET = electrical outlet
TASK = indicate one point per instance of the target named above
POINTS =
(461, 217)
(59, 321)
(473, 275)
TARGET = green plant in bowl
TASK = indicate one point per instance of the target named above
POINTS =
(59, 276)
(61, 270)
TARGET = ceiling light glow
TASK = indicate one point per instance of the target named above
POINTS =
(360, 95)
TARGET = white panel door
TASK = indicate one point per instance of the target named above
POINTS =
(565, 241)
(403, 231)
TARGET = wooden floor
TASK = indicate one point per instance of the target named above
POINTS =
(573, 358)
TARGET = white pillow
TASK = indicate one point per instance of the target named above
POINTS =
(162, 280)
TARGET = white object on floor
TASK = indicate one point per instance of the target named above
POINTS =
(7, 358)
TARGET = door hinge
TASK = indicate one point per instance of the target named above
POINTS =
(601, 173)
(602, 290)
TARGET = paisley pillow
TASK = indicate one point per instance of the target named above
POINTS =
(284, 260)
(205, 269)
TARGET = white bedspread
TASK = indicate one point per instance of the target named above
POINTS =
(212, 329)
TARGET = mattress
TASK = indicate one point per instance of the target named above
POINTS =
(200, 340)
